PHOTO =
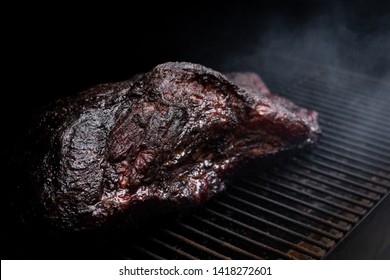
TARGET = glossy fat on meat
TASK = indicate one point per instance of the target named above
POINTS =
(160, 142)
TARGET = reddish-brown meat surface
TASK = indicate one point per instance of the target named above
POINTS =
(164, 140)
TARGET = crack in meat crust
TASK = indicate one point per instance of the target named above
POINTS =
(162, 140)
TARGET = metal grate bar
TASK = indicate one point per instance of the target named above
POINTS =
(346, 172)
(315, 197)
(148, 253)
(171, 248)
(370, 135)
(352, 119)
(340, 116)
(333, 99)
(268, 235)
(305, 83)
(337, 161)
(334, 185)
(220, 242)
(195, 244)
(309, 205)
(346, 89)
(349, 157)
(288, 219)
(350, 85)
(379, 190)
(284, 229)
(326, 103)
(301, 208)
(323, 190)
(345, 114)
(356, 124)
(349, 88)
(378, 158)
(359, 81)
(242, 237)
(296, 210)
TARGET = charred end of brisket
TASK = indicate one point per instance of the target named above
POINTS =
(162, 141)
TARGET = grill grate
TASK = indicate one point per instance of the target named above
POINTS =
(301, 208)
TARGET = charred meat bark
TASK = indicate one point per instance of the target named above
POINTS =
(161, 141)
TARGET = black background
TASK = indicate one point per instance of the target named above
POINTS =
(57, 51)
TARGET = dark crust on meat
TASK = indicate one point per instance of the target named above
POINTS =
(159, 142)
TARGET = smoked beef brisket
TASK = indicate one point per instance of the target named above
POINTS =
(163, 140)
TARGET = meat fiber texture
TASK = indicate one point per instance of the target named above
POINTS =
(162, 141)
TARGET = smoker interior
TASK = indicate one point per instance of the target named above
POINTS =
(303, 207)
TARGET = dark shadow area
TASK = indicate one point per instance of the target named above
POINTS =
(61, 55)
